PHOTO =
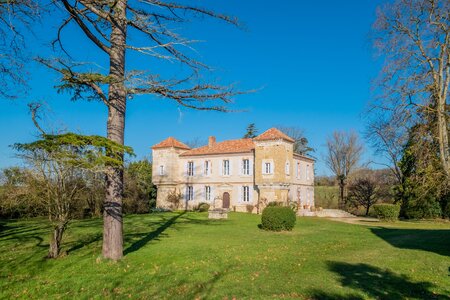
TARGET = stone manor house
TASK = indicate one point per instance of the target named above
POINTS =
(242, 175)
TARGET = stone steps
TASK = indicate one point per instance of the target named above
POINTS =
(326, 213)
(334, 213)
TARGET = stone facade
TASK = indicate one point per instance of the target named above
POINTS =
(242, 175)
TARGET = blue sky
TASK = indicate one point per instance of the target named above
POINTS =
(311, 61)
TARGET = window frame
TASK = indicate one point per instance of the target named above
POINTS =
(207, 168)
(189, 193)
(190, 171)
(268, 165)
(226, 167)
(245, 166)
(162, 170)
(207, 193)
(245, 194)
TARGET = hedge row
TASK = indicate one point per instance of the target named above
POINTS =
(387, 212)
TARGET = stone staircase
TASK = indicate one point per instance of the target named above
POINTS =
(326, 213)
(333, 213)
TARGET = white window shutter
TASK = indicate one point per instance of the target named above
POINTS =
(241, 168)
(250, 194)
(240, 193)
(250, 166)
(230, 168)
(187, 168)
(263, 168)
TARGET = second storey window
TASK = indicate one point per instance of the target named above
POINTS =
(246, 167)
(298, 170)
(161, 170)
(287, 168)
(190, 168)
(207, 168)
(267, 168)
(207, 193)
(245, 194)
(307, 172)
(226, 167)
(189, 193)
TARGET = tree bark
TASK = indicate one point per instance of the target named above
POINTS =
(55, 242)
(112, 216)
(443, 136)
(341, 193)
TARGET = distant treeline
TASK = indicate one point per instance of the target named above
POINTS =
(18, 196)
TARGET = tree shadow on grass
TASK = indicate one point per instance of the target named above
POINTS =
(175, 222)
(437, 241)
(376, 283)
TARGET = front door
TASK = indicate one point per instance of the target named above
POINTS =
(226, 200)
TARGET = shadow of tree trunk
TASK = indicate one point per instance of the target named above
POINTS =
(152, 235)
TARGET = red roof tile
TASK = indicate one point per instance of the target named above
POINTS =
(273, 134)
(169, 143)
(231, 146)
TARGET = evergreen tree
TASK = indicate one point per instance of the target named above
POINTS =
(251, 131)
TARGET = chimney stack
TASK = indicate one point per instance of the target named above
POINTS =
(211, 141)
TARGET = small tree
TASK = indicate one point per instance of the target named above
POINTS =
(343, 154)
(363, 192)
(251, 131)
(58, 164)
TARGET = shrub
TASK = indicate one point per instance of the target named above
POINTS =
(388, 212)
(278, 218)
(446, 212)
(202, 207)
(274, 203)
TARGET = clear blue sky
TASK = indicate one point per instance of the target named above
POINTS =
(312, 60)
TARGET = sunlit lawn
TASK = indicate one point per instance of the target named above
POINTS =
(184, 255)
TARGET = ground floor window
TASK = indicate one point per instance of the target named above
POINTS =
(207, 193)
(189, 193)
(245, 194)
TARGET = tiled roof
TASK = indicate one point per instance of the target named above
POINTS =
(171, 142)
(231, 146)
(273, 134)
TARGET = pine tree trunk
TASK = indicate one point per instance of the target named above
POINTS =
(112, 216)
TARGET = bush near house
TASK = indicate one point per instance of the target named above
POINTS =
(387, 212)
(202, 207)
(278, 218)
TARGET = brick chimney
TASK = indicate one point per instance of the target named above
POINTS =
(211, 141)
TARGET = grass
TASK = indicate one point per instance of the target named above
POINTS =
(186, 256)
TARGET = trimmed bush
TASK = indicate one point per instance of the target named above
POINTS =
(278, 218)
(202, 207)
(387, 212)
(274, 203)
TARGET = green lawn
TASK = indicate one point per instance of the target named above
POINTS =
(184, 255)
